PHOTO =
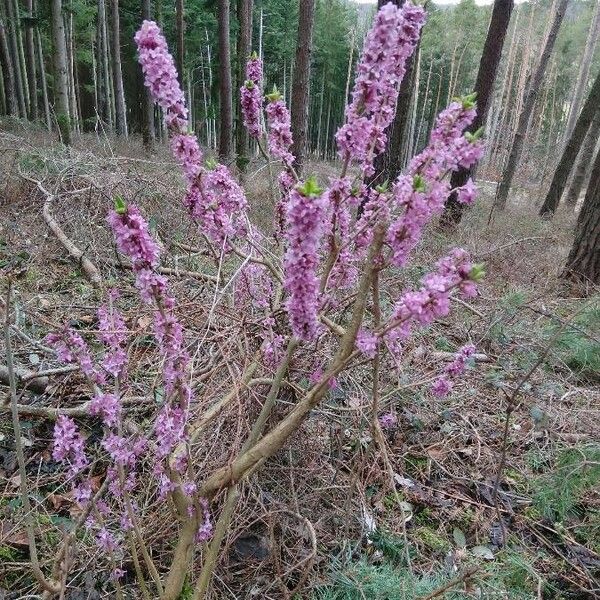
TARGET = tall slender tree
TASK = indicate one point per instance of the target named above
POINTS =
(484, 86)
(583, 263)
(180, 27)
(43, 83)
(584, 71)
(8, 79)
(225, 92)
(301, 80)
(61, 79)
(104, 107)
(244, 43)
(15, 54)
(30, 24)
(148, 130)
(120, 108)
(583, 167)
(527, 107)
(571, 150)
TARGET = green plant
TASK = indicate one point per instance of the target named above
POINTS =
(578, 347)
(558, 493)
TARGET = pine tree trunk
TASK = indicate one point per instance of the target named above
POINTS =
(567, 160)
(61, 75)
(244, 47)
(148, 130)
(525, 114)
(584, 162)
(180, 26)
(104, 97)
(301, 81)
(21, 50)
(225, 92)
(43, 84)
(484, 86)
(13, 45)
(584, 71)
(30, 61)
(583, 263)
(8, 78)
(120, 109)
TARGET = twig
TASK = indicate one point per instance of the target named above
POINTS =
(467, 574)
(50, 585)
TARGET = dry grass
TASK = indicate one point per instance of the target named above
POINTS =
(330, 476)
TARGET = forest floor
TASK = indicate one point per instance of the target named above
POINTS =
(322, 515)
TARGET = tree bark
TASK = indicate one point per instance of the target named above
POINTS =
(484, 87)
(583, 263)
(148, 130)
(13, 45)
(30, 60)
(569, 155)
(584, 71)
(244, 47)
(226, 115)
(527, 106)
(61, 80)
(120, 109)
(43, 84)
(180, 26)
(301, 81)
(104, 103)
(10, 98)
(584, 162)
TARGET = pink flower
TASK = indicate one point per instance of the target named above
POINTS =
(467, 193)
(71, 348)
(389, 43)
(279, 131)
(442, 387)
(251, 97)
(186, 150)
(305, 214)
(388, 421)
(69, 445)
(108, 406)
(160, 75)
(366, 342)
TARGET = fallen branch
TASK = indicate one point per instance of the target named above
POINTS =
(172, 271)
(467, 574)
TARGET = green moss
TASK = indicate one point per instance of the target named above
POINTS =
(432, 539)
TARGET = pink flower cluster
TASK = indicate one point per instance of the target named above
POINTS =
(215, 201)
(251, 97)
(443, 384)
(160, 75)
(113, 334)
(69, 445)
(71, 348)
(218, 204)
(305, 216)
(388, 45)
(279, 131)
(432, 300)
(366, 342)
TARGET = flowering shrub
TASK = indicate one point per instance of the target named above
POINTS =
(322, 269)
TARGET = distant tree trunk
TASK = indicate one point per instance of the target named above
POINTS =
(584, 162)
(525, 114)
(484, 87)
(244, 47)
(104, 103)
(43, 84)
(10, 99)
(180, 26)
(13, 45)
(30, 60)
(569, 155)
(61, 78)
(583, 263)
(226, 115)
(584, 71)
(120, 109)
(148, 131)
(301, 81)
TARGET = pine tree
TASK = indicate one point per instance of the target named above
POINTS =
(301, 81)
(120, 108)
(484, 86)
(527, 107)
(225, 93)
(61, 80)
